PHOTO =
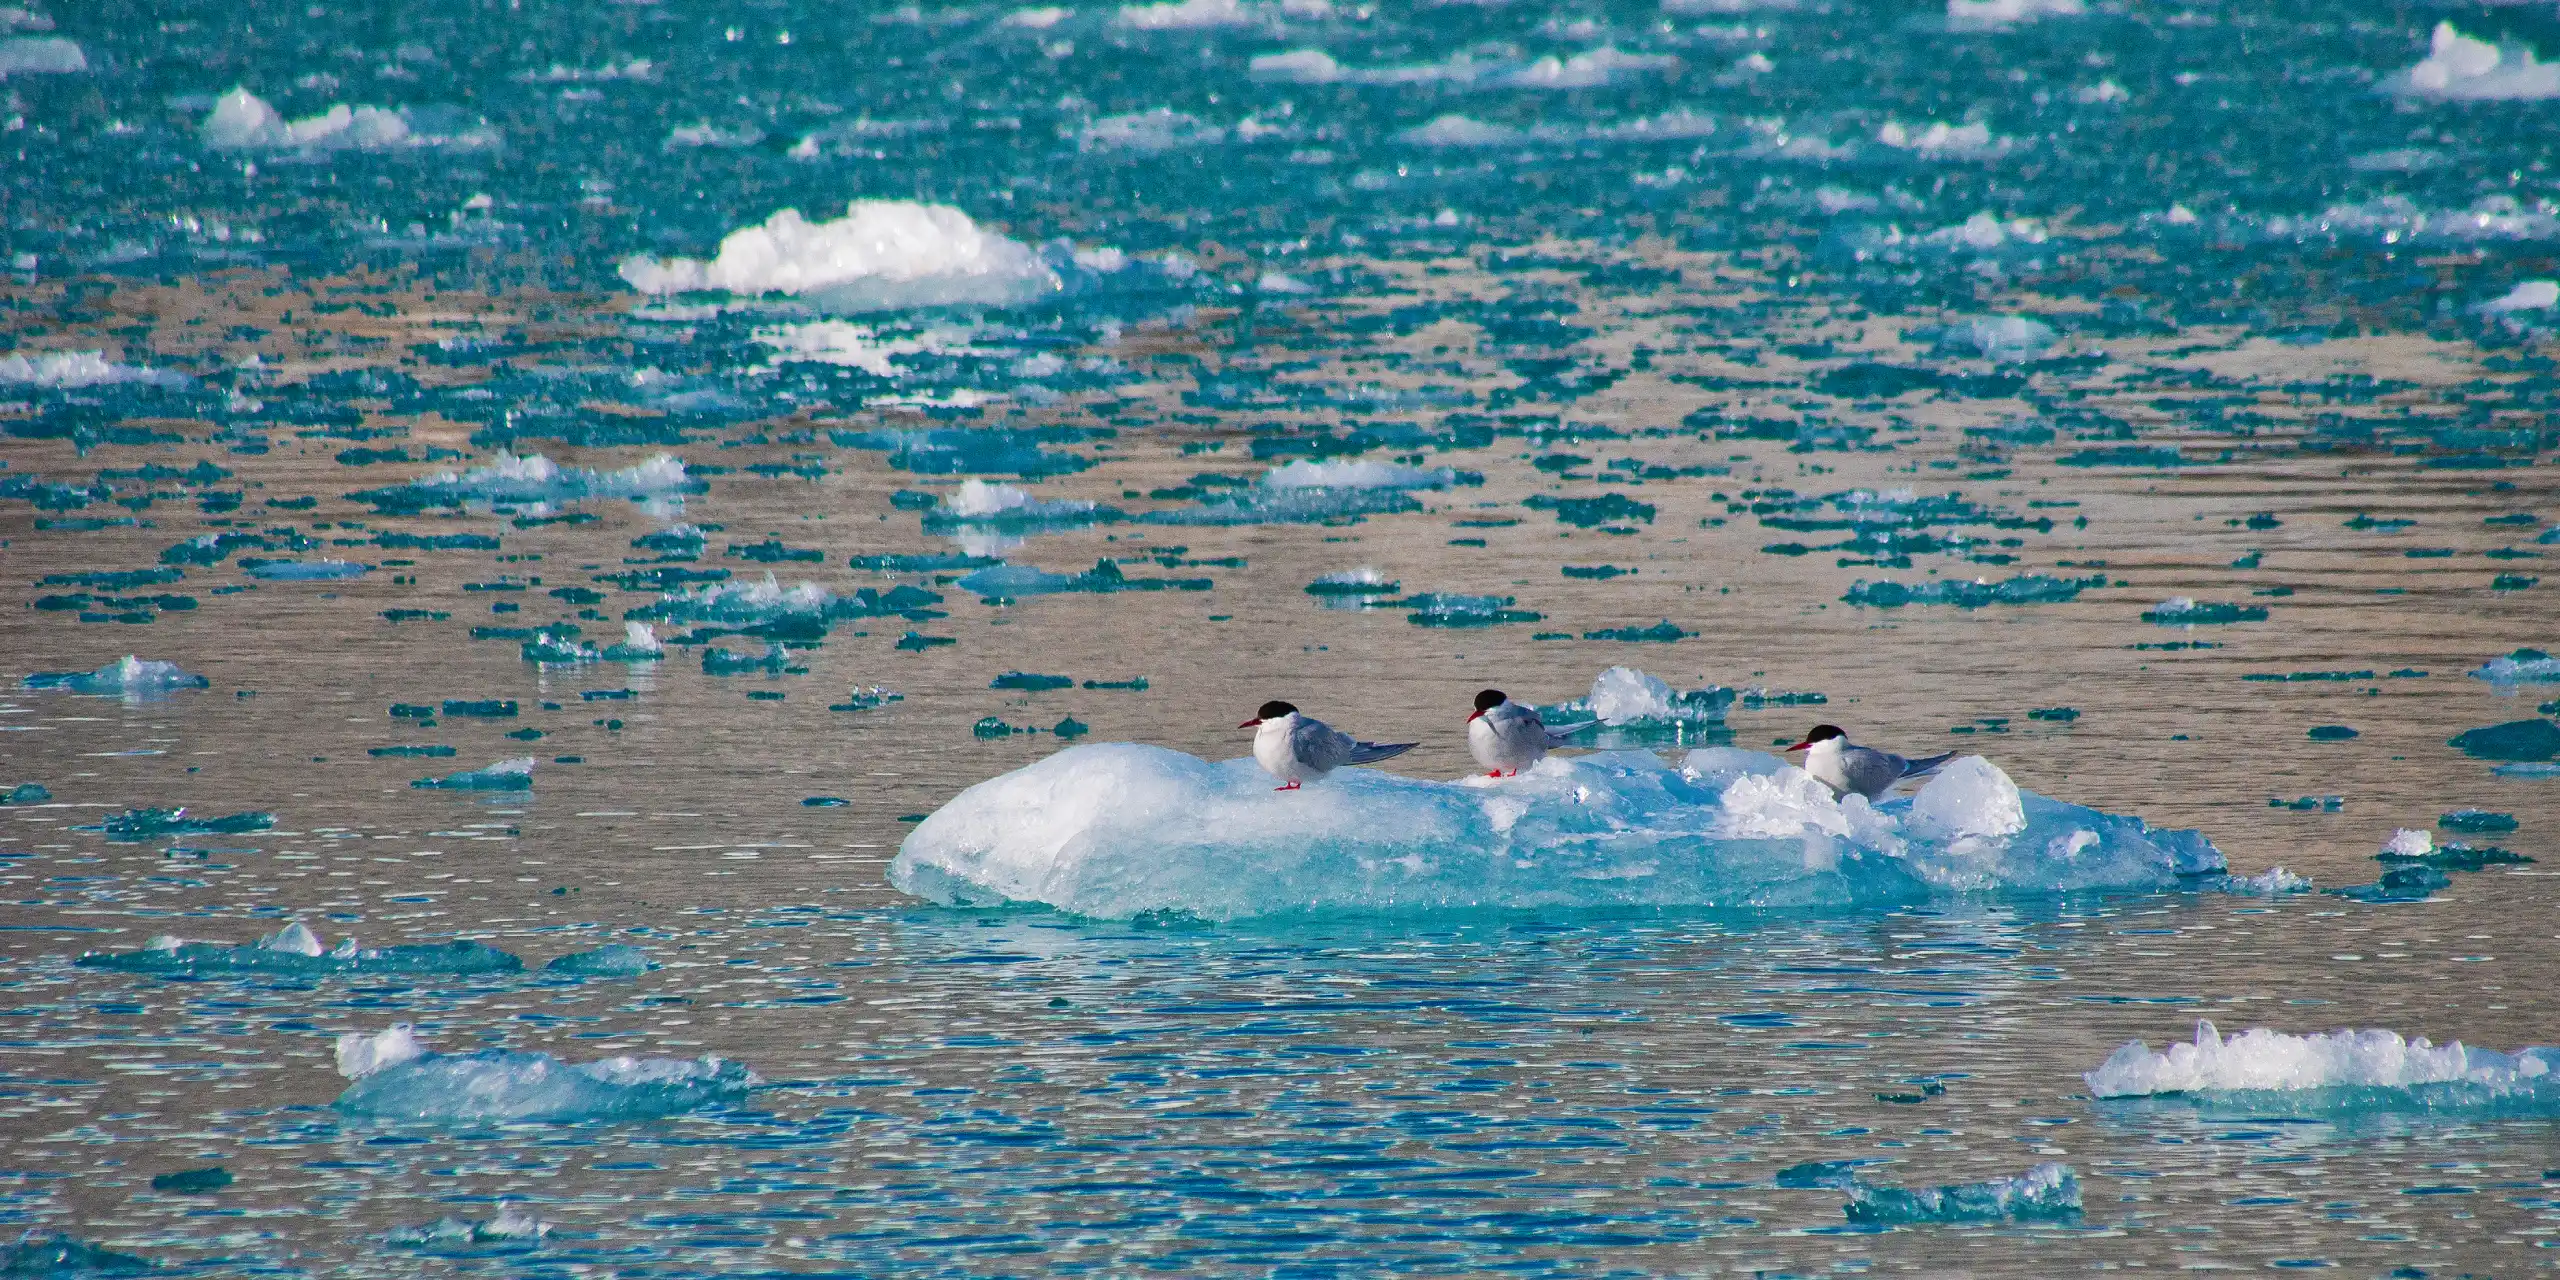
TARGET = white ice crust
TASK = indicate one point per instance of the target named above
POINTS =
(2262, 1059)
(1116, 830)
(243, 121)
(79, 369)
(881, 255)
(362, 1055)
(1304, 474)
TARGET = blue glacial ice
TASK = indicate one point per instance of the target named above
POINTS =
(135, 825)
(2524, 666)
(2046, 1192)
(505, 775)
(1636, 709)
(303, 570)
(128, 677)
(396, 1078)
(295, 949)
(1119, 830)
(612, 960)
(2371, 1070)
(535, 480)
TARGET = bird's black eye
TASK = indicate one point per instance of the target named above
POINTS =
(1489, 699)
(1275, 710)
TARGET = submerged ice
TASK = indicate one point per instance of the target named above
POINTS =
(1118, 830)
(396, 1078)
(2047, 1191)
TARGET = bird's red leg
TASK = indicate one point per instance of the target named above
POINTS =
(1291, 787)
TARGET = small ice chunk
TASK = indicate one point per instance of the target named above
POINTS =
(613, 960)
(243, 121)
(2524, 666)
(1996, 337)
(1455, 130)
(2046, 1191)
(504, 1085)
(640, 643)
(1184, 15)
(505, 775)
(2267, 1060)
(40, 55)
(2458, 68)
(1970, 797)
(2529, 295)
(2270, 883)
(74, 369)
(2004, 13)
(1624, 695)
(129, 676)
(295, 938)
(2408, 842)
(361, 1055)
(1304, 474)
(881, 255)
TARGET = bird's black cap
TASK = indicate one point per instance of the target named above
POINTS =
(1489, 699)
(1275, 710)
(1824, 733)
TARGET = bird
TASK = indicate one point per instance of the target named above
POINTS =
(1507, 737)
(1846, 767)
(1296, 748)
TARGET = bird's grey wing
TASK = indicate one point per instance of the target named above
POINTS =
(1373, 752)
(1321, 746)
(1869, 771)
(1558, 733)
(1915, 768)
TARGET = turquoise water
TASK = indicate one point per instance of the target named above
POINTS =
(2153, 400)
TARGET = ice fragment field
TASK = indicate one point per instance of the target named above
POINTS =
(623, 623)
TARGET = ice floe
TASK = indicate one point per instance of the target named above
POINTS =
(512, 1224)
(71, 369)
(2003, 13)
(2524, 666)
(2046, 1192)
(533, 479)
(128, 677)
(243, 121)
(505, 775)
(2528, 295)
(1119, 829)
(2372, 1069)
(396, 1078)
(881, 255)
(295, 949)
(2458, 68)
(41, 56)
(612, 960)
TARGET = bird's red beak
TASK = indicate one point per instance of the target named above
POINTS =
(1471, 716)
(1250, 723)
(1799, 746)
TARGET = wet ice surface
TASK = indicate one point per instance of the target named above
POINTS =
(577, 580)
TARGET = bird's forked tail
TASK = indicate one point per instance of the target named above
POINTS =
(1373, 752)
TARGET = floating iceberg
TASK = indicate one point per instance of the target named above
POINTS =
(2516, 740)
(2530, 295)
(2342, 1070)
(1008, 581)
(40, 55)
(2030, 588)
(613, 960)
(1119, 830)
(882, 255)
(2458, 68)
(295, 949)
(2003, 13)
(1353, 588)
(2186, 611)
(74, 369)
(2271, 883)
(640, 643)
(134, 825)
(395, 1078)
(980, 504)
(512, 1225)
(2524, 666)
(1639, 710)
(1356, 475)
(764, 607)
(533, 480)
(242, 121)
(1994, 337)
(2045, 1192)
(47, 1255)
(1445, 609)
(505, 775)
(1306, 492)
(303, 570)
(128, 676)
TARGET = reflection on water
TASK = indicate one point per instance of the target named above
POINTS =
(2155, 403)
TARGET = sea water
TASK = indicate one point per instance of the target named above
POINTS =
(624, 623)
